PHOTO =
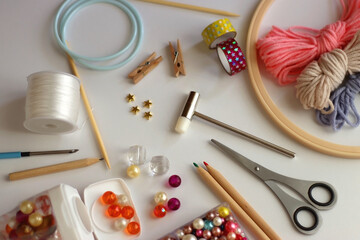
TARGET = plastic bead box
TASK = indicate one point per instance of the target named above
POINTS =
(60, 214)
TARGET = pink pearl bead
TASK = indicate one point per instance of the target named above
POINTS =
(174, 204)
(174, 181)
(231, 226)
(199, 233)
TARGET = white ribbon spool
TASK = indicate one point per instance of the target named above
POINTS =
(52, 103)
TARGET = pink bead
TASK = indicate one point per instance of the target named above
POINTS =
(199, 233)
(174, 204)
(174, 181)
(21, 217)
(231, 226)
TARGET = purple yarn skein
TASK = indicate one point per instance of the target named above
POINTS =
(343, 100)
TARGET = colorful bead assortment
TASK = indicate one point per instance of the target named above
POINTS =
(160, 209)
(218, 223)
(32, 220)
(122, 211)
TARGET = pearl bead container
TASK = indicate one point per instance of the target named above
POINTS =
(51, 212)
(217, 223)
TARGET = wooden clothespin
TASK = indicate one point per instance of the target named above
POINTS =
(177, 58)
(144, 68)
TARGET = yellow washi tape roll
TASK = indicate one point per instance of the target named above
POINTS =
(218, 32)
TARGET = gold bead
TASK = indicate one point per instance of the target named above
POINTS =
(133, 171)
(27, 207)
(35, 219)
(223, 211)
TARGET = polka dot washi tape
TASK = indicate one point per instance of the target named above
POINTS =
(217, 32)
(231, 56)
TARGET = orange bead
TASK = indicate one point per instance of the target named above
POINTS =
(160, 211)
(109, 197)
(127, 212)
(133, 228)
(8, 229)
(114, 210)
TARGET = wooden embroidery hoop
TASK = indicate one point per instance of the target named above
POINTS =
(274, 112)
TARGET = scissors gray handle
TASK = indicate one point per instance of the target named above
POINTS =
(294, 207)
(307, 188)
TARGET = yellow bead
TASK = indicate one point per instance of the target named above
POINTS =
(223, 212)
(26, 207)
(35, 219)
(133, 171)
(160, 197)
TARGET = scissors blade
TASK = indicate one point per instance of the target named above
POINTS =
(260, 171)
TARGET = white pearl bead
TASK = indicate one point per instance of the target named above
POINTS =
(160, 197)
(180, 233)
(120, 223)
(189, 237)
(217, 221)
(123, 199)
(198, 223)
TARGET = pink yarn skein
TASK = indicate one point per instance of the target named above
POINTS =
(287, 52)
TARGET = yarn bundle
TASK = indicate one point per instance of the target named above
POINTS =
(343, 100)
(321, 77)
(287, 52)
(318, 61)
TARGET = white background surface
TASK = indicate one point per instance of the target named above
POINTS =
(27, 45)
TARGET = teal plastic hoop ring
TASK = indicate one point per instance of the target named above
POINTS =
(137, 31)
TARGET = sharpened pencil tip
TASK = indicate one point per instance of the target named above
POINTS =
(74, 150)
(205, 163)
(101, 159)
(195, 165)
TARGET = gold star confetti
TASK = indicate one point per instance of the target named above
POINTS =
(135, 110)
(148, 115)
(130, 97)
(147, 103)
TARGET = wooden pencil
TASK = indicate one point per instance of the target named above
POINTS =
(239, 212)
(192, 7)
(53, 168)
(242, 202)
(90, 113)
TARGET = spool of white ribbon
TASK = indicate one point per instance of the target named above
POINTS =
(52, 103)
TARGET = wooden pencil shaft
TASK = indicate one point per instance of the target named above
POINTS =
(253, 138)
(242, 203)
(90, 114)
(239, 212)
(192, 7)
(52, 168)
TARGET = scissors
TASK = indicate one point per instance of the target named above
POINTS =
(303, 187)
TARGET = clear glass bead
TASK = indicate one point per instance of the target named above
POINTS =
(159, 165)
(136, 155)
